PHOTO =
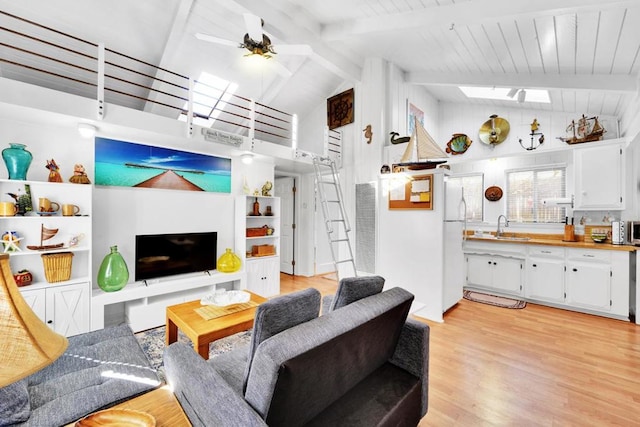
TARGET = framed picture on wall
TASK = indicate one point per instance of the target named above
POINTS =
(340, 109)
(126, 164)
(413, 112)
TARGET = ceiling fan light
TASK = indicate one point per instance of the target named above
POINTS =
(522, 95)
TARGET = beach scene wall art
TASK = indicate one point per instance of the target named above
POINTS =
(126, 164)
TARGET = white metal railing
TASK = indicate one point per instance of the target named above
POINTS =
(44, 56)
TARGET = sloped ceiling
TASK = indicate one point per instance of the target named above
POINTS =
(585, 52)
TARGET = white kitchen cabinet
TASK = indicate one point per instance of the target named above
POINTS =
(263, 271)
(544, 274)
(495, 272)
(589, 279)
(263, 276)
(599, 177)
(65, 308)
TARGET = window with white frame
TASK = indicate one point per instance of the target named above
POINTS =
(472, 185)
(526, 190)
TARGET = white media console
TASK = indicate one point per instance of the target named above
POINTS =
(145, 304)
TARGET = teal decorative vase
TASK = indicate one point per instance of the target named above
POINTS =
(17, 159)
(228, 262)
(113, 274)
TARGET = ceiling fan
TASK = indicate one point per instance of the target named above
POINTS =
(257, 42)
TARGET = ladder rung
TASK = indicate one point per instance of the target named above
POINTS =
(344, 260)
(336, 220)
(339, 240)
(328, 182)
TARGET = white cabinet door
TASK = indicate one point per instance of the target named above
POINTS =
(263, 276)
(589, 285)
(68, 309)
(36, 300)
(599, 178)
(480, 270)
(545, 279)
(495, 272)
(507, 274)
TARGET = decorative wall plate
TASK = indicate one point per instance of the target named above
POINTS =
(493, 193)
(494, 131)
(458, 143)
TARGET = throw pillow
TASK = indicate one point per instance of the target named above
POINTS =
(279, 314)
(352, 289)
(14, 403)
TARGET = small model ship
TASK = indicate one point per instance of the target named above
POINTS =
(422, 151)
(46, 234)
(586, 129)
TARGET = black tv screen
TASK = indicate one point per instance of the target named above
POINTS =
(160, 255)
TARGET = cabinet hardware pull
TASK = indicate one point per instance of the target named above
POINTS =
(534, 265)
(575, 269)
(495, 263)
(489, 262)
(546, 252)
(49, 321)
(588, 256)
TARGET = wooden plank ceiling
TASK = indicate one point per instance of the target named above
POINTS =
(584, 52)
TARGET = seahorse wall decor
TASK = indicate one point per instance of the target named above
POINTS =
(368, 133)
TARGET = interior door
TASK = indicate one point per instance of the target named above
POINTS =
(284, 189)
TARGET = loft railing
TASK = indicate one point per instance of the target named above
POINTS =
(44, 56)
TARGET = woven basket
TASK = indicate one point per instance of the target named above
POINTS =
(57, 267)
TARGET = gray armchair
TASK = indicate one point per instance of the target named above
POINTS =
(351, 289)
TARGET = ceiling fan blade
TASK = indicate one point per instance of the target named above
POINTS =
(293, 49)
(212, 39)
(254, 26)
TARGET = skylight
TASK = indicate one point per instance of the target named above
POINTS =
(503, 93)
(210, 96)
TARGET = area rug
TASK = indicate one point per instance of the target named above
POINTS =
(493, 300)
(152, 343)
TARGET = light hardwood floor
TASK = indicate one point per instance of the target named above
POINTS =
(537, 366)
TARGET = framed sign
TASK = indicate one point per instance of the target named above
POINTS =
(413, 192)
(340, 109)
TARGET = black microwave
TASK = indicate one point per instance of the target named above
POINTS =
(633, 232)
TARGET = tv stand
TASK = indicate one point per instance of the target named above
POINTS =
(146, 303)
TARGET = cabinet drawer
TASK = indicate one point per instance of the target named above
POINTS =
(589, 255)
(546, 251)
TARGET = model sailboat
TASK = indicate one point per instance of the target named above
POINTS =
(422, 151)
(46, 234)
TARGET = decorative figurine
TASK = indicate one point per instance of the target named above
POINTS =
(368, 133)
(23, 200)
(79, 175)
(11, 241)
(54, 174)
(266, 188)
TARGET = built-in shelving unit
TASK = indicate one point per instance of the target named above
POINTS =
(263, 271)
(64, 305)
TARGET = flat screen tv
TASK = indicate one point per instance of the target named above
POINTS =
(161, 255)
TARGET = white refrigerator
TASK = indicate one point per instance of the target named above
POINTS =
(421, 250)
(454, 228)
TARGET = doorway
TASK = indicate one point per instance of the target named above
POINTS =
(285, 188)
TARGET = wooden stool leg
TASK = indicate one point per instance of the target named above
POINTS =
(171, 332)
(202, 349)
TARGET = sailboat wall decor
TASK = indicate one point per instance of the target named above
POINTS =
(585, 129)
(422, 151)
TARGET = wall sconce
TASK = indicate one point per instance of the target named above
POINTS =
(247, 158)
(86, 130)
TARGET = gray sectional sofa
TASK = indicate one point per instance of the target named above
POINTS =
(99, 369)
(363, 364)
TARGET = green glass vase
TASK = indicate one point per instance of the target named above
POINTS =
(17, 159)
(228, 262)
(113, 274)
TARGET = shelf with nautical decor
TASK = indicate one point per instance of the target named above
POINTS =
(257, 241)
(51, 219)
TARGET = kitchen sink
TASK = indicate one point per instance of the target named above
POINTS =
(513, 238)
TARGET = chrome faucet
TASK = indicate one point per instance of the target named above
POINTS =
(506, 224)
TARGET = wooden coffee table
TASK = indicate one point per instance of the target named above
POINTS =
(202, 332)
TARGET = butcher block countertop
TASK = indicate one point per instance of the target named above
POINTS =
(549, 240)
